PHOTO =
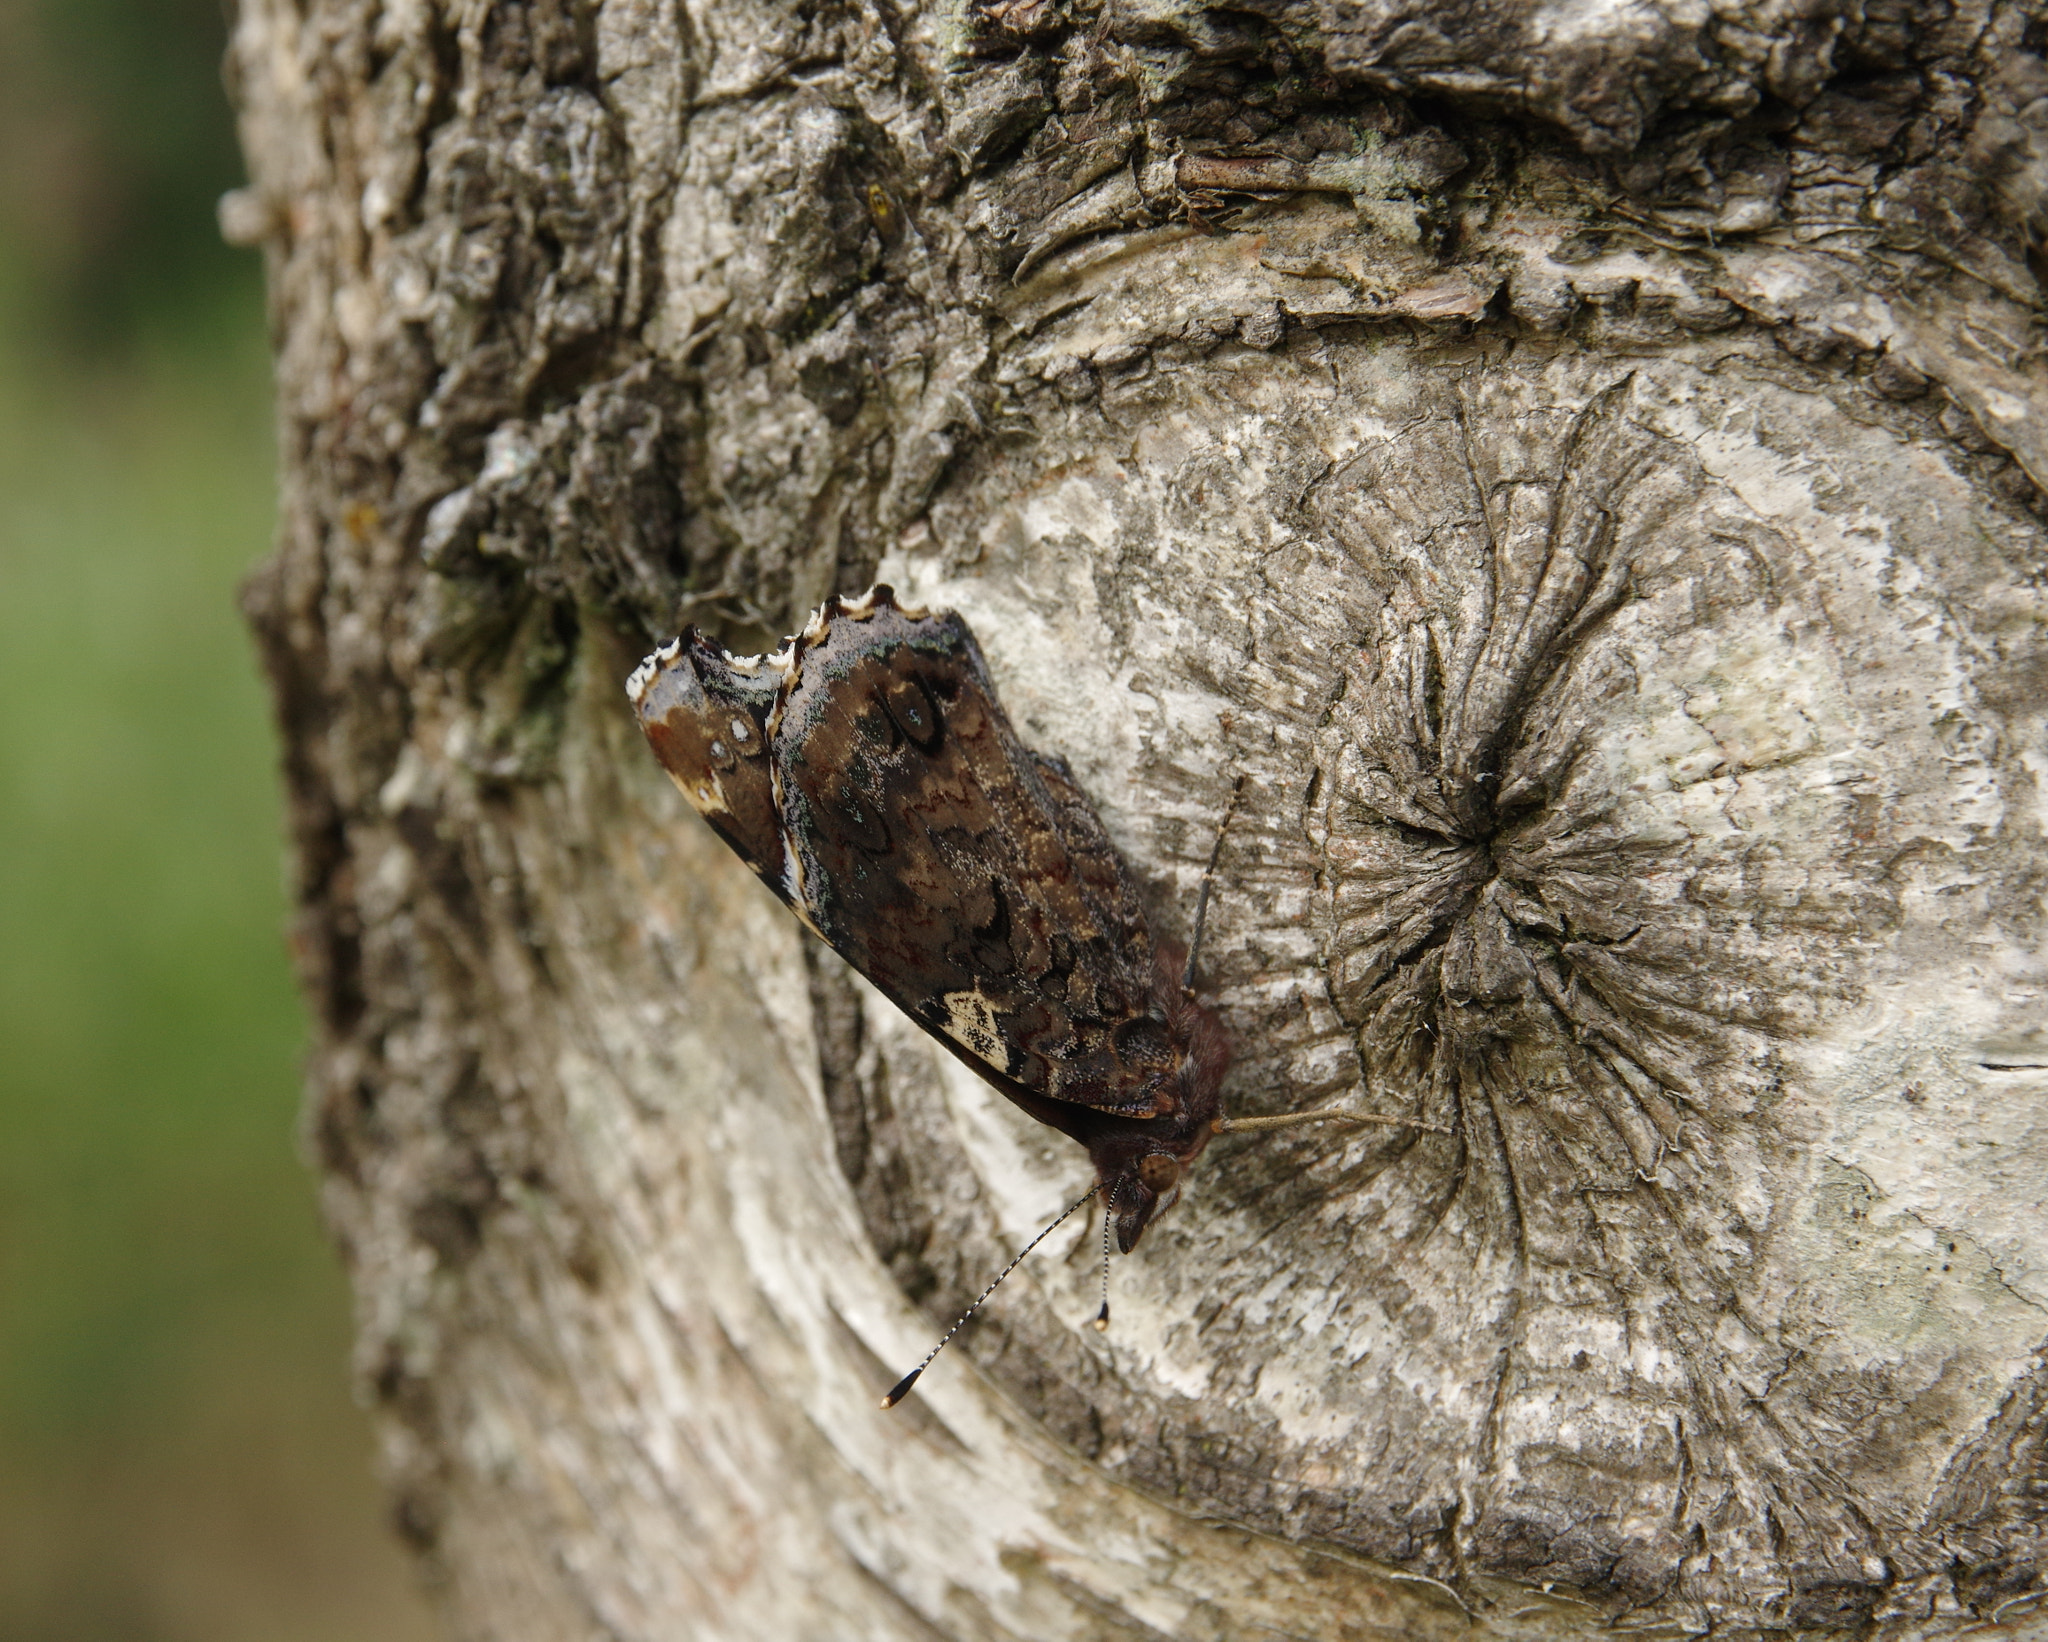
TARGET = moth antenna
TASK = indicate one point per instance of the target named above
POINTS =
(1102, 1316)
(1187, 975)
(901, 1388)
(1326, 1114)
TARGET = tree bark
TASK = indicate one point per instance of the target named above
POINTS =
(1580, 463)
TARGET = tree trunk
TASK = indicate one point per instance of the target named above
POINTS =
(1579, 463)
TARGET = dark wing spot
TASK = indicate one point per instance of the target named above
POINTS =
(857, 818)
(989, 946)
(910, 704)
(877, 726)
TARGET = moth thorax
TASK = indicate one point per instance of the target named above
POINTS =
(1158, 1173)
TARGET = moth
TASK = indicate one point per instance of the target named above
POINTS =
(868, 774)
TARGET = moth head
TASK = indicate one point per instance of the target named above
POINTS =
(1146, 1187)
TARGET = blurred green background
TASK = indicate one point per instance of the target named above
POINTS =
(179, 1455)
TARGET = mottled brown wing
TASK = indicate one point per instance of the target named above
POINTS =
(706, 715)
(963, 875)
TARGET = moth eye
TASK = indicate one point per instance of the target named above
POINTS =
(1158, 1173)
(916, 715)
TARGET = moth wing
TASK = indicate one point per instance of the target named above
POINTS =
(706, 715)
(963, 875)
(1095, 858)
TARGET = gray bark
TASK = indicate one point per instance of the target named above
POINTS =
(1581, 463)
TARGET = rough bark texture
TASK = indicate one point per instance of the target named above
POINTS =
(1581, 462)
